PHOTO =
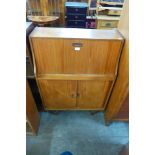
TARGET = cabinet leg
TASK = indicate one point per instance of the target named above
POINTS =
(107, 122)
(55, 112)
(93, 112)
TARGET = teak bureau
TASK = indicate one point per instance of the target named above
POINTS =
(75, 68)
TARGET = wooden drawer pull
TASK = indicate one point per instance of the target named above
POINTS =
(78, 95)
(73, 95)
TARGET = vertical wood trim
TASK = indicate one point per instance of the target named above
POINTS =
(44, 7)
(63, 12)
(33, 57)
(109, 93)
(32, 114)
(116, 73)
(77, 90)
(119, 57)
(42, 99)
(121, 86)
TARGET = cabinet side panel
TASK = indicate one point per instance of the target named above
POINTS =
(121, 87)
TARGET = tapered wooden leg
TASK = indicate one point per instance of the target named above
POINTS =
(93, 112)
(55, 112)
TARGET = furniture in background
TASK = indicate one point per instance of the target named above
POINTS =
(32, 94)
(91, 22)
(75, 68)
(29, 67)
(118, 106)
(43, 11)
(54, 9)
(76, 14)
(108, 13)
(32, 115)
(53, 13)
(29, 61)
(107, 22)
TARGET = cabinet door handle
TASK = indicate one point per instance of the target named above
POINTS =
(73, 95)
(78, 95)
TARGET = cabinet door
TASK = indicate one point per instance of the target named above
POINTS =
(92, 94)
(75, 56)
(58, 94)
(48, 55)
(94, 56)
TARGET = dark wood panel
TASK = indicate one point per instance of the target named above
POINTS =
(32, 114)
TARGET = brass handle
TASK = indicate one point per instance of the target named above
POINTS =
(73, 95)
(78, 95)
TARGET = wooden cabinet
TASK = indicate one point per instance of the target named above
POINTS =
(75, 68)
(118, 106)
(32, 115)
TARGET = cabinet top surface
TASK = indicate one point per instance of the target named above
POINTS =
(76, 33)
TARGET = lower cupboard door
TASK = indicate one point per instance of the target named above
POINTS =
(92, 94)
(58, 94)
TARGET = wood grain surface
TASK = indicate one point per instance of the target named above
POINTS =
(92, 94)
(58, 56)
(121, 88)
(58, 94)
(75, 69)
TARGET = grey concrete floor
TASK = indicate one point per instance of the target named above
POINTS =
(78, 132)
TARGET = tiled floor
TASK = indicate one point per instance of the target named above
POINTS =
(78, 132)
